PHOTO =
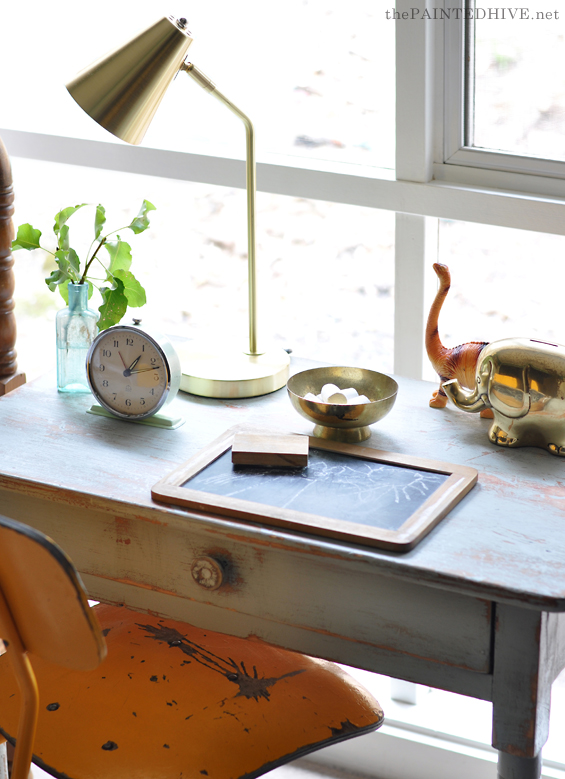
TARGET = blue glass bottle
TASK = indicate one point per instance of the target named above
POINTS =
(76, 328)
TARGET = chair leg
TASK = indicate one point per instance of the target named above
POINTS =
(28, 687)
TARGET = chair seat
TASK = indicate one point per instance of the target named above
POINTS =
(172, 700)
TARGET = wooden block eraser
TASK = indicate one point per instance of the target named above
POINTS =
(271, 451)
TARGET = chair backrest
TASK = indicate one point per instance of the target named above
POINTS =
(44, 611)
(46, 599)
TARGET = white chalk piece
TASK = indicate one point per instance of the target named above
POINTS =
(359, 400)
(350, 392)
(344, 396)
(327, 390)
(338, 398)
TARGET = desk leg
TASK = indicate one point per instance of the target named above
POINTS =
(521, 690)
(510, 767)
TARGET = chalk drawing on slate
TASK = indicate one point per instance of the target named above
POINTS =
(333, 485)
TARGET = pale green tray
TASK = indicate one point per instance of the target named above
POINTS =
(157, 420)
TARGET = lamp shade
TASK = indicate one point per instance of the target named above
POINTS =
(122, 90)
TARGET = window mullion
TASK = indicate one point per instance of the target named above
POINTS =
(453, 76)
(416, 247)
(414, 89)
(416, 30)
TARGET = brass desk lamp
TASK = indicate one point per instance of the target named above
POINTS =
(122, 91)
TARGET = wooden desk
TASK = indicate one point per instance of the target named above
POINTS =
(474, 608)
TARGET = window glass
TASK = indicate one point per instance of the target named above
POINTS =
(519, 99)
(325, 271)
(504, 283)
(309, 75)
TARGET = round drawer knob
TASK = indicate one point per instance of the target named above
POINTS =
(207, 572)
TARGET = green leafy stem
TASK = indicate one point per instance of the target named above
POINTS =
(120, 288)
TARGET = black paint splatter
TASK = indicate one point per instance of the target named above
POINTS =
(251, 685)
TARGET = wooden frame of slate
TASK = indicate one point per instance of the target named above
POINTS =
(347, 492)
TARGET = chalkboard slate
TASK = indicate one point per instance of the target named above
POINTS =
(333, 485)
(347, 492)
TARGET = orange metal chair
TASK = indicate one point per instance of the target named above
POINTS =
(170, 700)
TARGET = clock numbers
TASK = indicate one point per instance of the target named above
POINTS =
(128, 373)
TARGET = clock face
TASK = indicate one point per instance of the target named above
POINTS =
(128, 372)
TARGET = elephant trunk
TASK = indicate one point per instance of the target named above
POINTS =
(467, 400)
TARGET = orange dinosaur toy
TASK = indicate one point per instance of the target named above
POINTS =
(456, 363)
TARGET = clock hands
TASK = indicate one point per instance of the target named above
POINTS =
(134, 363)
(129, 371)
(144, 370)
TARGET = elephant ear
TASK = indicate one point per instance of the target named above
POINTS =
(511, 401)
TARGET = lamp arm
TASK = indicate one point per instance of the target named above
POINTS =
(250, 168)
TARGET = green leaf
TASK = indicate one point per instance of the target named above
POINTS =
(62, 260)
(57, 277)
(74, 263)
(64, 290)
(114, 306)
(27, 238)
(64, 237)
(64, 215)
(133, 290)
(120, 256)
(141, 221)
(99, 220)
(68, 263)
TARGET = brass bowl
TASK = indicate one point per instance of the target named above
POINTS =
(343, 422)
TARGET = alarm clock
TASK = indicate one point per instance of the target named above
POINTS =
(131, 373)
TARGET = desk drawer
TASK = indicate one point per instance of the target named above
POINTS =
(299, 596)
(341, 598)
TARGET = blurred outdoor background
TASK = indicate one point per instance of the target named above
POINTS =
(319, 85)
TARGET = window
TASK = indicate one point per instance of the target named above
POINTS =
(504, 111)
(193, 264)
(468, 172)
(309, 76)
(519, 86)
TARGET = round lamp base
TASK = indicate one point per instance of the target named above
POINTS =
(225, 373)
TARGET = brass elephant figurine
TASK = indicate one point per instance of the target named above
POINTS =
(523, 382)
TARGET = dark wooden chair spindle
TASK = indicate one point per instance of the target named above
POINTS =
(10, 377)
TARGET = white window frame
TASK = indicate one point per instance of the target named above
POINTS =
(465, 163)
